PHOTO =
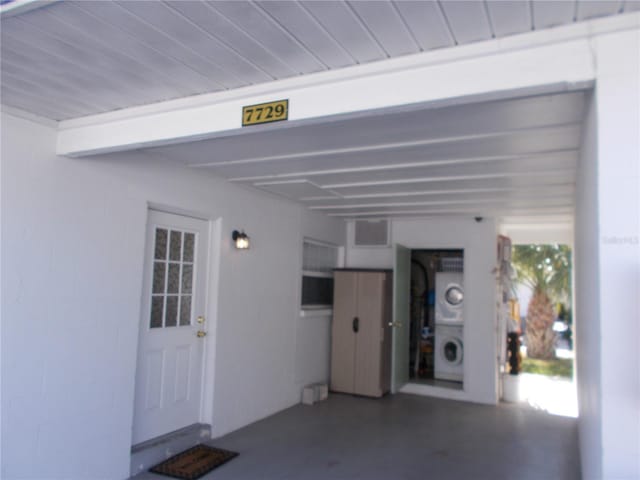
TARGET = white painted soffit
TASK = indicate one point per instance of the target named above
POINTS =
(548, 61)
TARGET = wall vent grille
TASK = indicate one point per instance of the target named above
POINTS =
(371, 233)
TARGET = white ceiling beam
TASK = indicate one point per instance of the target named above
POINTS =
(449, 178)
(539, 191)
(538, 62)
(395, 146)
(494, 212)
(283, 177)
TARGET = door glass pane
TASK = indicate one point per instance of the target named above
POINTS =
(189, 245)
(185, 310)
(161, 244)
(173, 279)
(175, 245)
(157, 303)
(158, 277)
(171, 319)
(187, 278)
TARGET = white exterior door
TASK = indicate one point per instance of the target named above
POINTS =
(172, 326)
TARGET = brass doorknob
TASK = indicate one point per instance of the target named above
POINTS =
(201, 334)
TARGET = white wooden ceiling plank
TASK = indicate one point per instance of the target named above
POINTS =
(550, 13)
(520, 144)
(174, 71)
(468, 20)
(251, 20)
(308, 31)
(386, 25)
(496, 200)
(471, 211)
(26, 96)
(631, 6)
(46, 21)
(68, 28)
(223, 30)
(63, 90)
(435, 198)
(398, 175)
(50, 66)
(452, 184)
(47, 71)
(339, 21)
(597, 8)
(509, 17)
(426, 22)
(213, 44)
(499, 204)
(56, 55)
(181, 35)
(397, 165)
(439, 192)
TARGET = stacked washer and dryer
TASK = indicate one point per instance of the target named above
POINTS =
(449, 323)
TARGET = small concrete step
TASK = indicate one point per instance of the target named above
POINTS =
(146, 454)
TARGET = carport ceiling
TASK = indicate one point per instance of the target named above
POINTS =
(510, 158)
(503, 158)
(63, 60)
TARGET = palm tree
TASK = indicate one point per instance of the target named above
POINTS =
(546, 270)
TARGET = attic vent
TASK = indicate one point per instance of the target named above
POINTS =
(371, 233)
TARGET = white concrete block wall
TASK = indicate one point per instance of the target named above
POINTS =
(587, 304)
(618, 144)
(478, 240)
(72, 248)
(608, 264)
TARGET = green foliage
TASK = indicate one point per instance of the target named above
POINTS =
(544, 268)
(558, 367)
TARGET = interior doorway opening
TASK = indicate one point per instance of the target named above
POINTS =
(436, 334)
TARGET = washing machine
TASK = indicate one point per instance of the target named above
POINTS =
(449, 298)
(449, 353)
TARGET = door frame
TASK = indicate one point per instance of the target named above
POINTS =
(212, 276)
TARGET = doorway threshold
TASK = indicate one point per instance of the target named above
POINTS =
(146, 454)
(438, 383)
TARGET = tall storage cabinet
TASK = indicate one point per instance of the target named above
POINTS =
(360, 332)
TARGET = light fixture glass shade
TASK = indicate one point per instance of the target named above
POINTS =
(240, 239)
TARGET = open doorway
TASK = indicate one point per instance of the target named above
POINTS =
(544, 326)
(436, 340)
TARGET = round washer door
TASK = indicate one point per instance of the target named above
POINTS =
(451, 350)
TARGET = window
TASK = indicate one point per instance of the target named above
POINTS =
(318, 261)
(172, 284)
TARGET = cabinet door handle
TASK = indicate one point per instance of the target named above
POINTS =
(356, 324)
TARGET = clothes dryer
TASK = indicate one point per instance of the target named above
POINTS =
(449, 298)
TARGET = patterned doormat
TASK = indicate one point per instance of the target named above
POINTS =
(194, 462)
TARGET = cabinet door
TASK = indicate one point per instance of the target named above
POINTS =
(368, 366)
(342, 334)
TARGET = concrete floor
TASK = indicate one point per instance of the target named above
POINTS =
(402, 437)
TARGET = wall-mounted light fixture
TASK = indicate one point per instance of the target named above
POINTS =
(240, 239)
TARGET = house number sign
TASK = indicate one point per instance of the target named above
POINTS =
(265, 113)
